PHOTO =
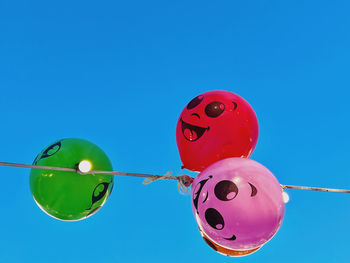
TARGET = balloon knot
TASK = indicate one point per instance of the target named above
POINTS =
(186, 180)
(155, 177)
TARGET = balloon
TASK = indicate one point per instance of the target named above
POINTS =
(213, 126)
(237, 203)
(71, 195)
(226, 251)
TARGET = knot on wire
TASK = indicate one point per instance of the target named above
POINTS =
(184, 181)
(155, 177)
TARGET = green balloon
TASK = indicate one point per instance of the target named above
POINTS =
(71, 195)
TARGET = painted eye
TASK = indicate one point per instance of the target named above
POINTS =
(254, 190)
(51, 150)
(225, 190)
(195, 102)
(234, 105)
(198, 190)
(99, 192)
(214, 219)
(214, 109)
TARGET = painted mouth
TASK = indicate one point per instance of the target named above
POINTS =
(191, 132)
(231, 238)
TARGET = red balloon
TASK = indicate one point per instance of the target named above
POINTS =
(213, 126)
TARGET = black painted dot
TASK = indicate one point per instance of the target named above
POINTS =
(254, 190)
(225, 190)
(51, 150)
(214, 109)
(195, 102)
(234, 105)
(214, 219)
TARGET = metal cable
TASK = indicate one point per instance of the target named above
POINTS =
(90, 172)
(187, 180)
(316, 189)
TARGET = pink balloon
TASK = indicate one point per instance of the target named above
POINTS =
(237, 203)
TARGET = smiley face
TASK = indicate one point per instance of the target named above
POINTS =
(224, 190)
(213, 109)
(237, 203)
(213, 126)
(70, 195)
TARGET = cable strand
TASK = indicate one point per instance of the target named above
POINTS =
(184, 180)
(309, 188)
(156, 177)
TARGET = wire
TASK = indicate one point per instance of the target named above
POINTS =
(316, 189)
(38, 167)
(184, 180)
(90, 172)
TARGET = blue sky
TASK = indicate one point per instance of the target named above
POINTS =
(119, 73)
